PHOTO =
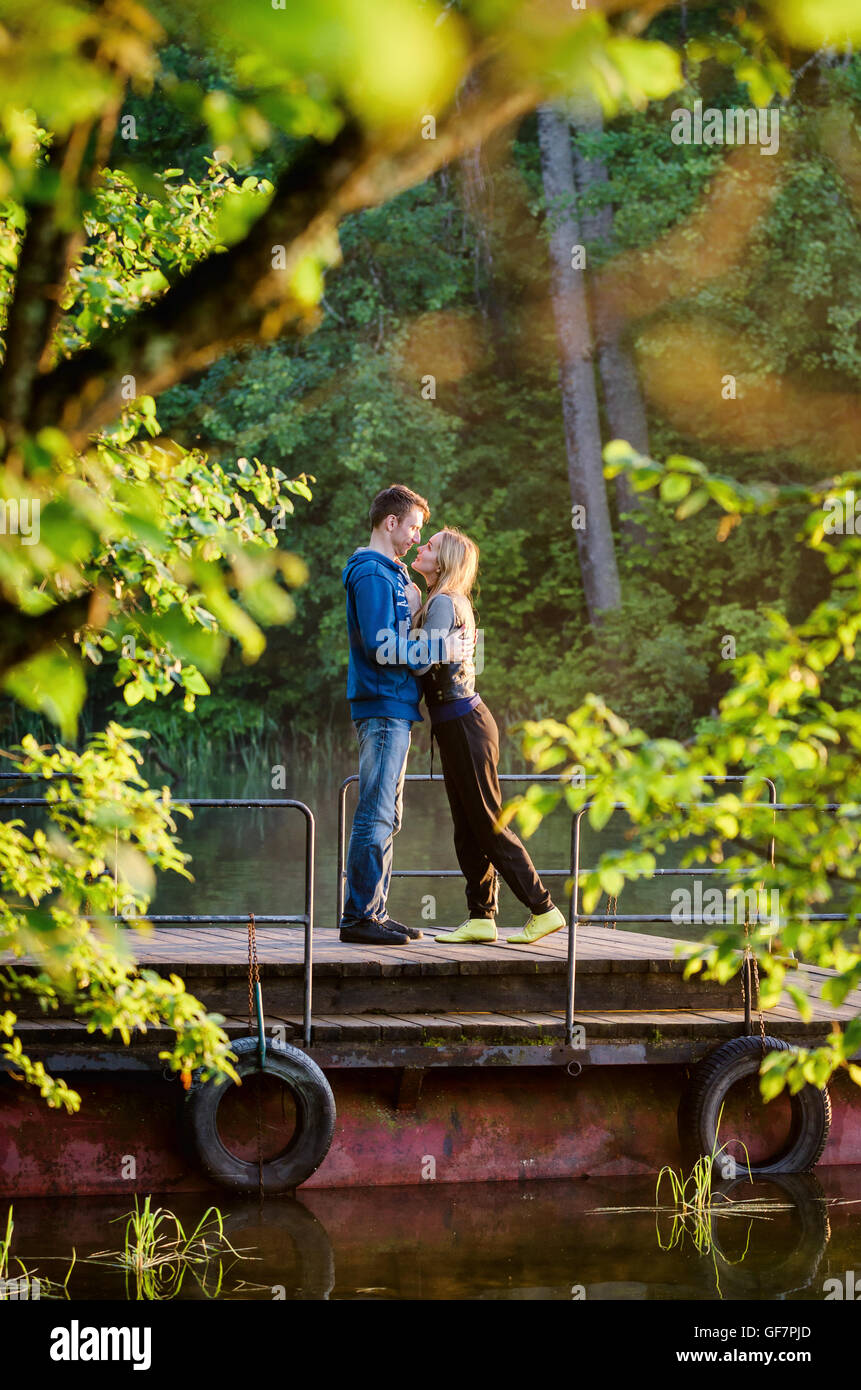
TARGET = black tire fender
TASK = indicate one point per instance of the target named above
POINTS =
(315, 1120)
(708, 1087)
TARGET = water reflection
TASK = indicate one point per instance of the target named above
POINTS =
(796, 1204)
(489, 1242)
(286, 1236)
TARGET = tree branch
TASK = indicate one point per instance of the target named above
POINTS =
(40, 275)
(237, 296)
(23, 636)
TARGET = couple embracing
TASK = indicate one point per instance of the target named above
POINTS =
(404, 645)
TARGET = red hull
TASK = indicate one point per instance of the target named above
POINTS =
(468, 1125)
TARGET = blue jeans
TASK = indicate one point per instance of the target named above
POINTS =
(383, 748)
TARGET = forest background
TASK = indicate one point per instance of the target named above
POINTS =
(203, 415)
(452, 279)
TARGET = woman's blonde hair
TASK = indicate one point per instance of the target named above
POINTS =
(457, 558)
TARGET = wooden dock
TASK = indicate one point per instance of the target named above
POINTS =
(428, 1005)
(450, 1054)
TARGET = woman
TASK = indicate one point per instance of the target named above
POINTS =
(468, 742)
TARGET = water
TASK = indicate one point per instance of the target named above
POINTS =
(478, 1241)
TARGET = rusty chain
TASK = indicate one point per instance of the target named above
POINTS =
(253, 968)
(254, 979)
(748, 959)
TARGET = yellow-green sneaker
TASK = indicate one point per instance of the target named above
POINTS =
(473, 929)
(537, 926)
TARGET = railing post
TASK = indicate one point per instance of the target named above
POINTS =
(309, 922)
(342, 845)
(572, 929)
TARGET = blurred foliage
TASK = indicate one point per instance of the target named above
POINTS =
(106, 833)
(775, 721)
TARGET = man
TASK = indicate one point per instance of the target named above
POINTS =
(384, 703)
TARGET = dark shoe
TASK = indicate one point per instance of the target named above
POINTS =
(414, 933)
(373, 934)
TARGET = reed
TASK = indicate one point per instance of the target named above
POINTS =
(37, 1286)
(695, 1205)
(158, 1252)
(6, 1246)
(7, 1280)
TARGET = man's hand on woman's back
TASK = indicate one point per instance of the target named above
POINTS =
(459, 645)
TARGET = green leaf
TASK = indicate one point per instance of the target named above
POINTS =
(650, 70)
(809, 25)
(723, 493)
(193, 681)
(727, 824)
(133, 692)
(601, 810)
(694, 502)
(801, 1001)
(307, 282)
(238, 210)
(674, 487)
(612, 881)
(51, 683)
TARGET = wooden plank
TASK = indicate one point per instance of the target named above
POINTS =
(397, 966)
(415, 956)
(325, 1029)
(296, 1021)
(440, 968)
(425, 946)
(543, 1020)
(356, 966)
(507, 1027)
(215, 932)
(161, 950)
(393, 1029)
(531, 1027)
(354, 1027)
(530, 961)
(494, 962)
(359, 962)
(483, 1025)
(432, 1025)
(293, 1026)
(162, 935)
(621, 972)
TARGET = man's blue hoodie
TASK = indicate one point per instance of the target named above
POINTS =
(380, 680)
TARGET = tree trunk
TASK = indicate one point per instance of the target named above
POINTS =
(576, 374)
(477, 199)
(623, 401)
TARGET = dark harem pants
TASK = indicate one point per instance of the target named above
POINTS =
(469, 752)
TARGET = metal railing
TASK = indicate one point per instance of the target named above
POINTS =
(575, 915)
(575, 872)
(423, 873)
(572, 871)
(304, 919)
